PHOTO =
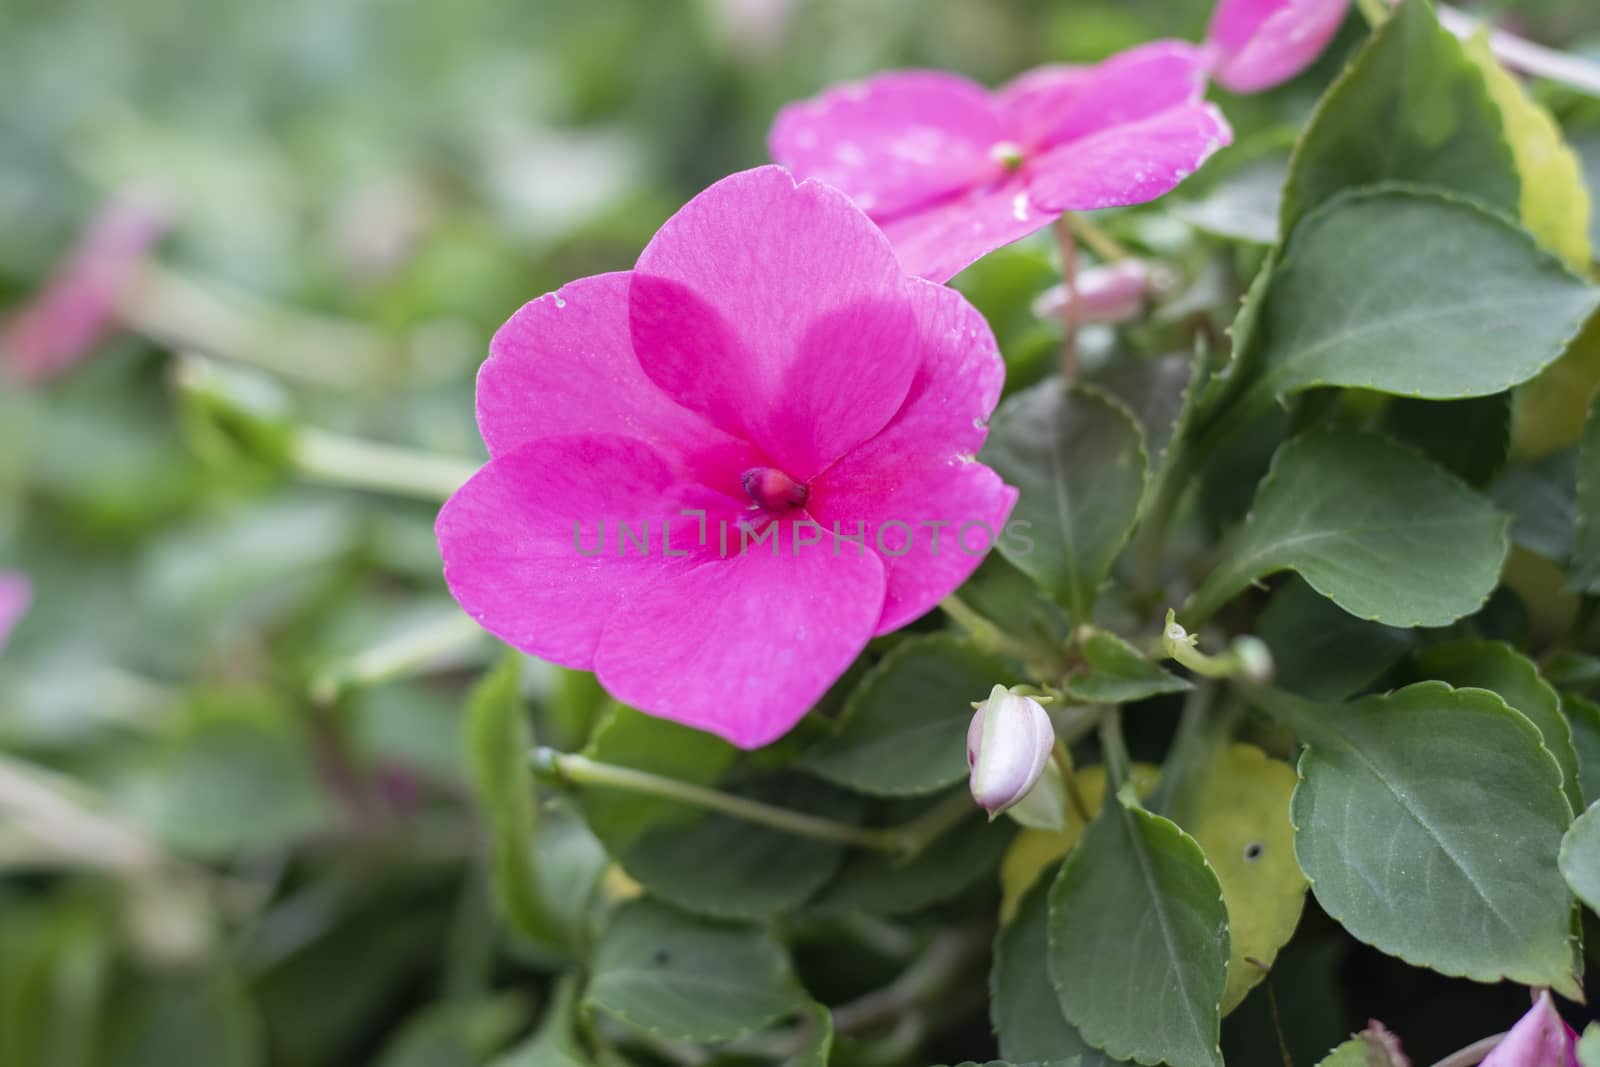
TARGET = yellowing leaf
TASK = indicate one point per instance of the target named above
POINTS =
(1241, 819)
(1555, 202)
(1033, 851)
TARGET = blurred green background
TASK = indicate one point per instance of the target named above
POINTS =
(228, 834)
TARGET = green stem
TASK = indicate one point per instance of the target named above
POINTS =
(582, 771)
(925, 829)
(985, 633)
(1069, 310)
(1473, 1053)
(418, 647)
(1069, 779)
(1373, 11)
(1202, 730)
(1100, 242)
(359, 464)
(1247, 659)
(1114, 751)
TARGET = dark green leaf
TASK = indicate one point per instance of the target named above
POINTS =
(1585, 572)
(879, 884)
(1077, 456)
(1321, 651)
(1541, 497)
(1117, 673)
(1369, 524)
(1501, 669)
(1137, 917)
(1412, 107)
(690, 979)
(1580, 858)
(1584, 717)
(1023, 1007)
(1469, 438)
(1431, 813)
(904, 729)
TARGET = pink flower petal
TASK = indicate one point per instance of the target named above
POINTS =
(771, 308)
(920, 469)
(743, 646)
(1540, 1039)
(76, 307)
(1128, 164)
(1053, 105)
(1262, 43)
(518, 539)
(941, 241)
(564, 364)
(894, 142)
(16, 593)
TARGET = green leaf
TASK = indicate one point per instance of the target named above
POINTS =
(1429, 812)
(1541, 497)
(1555, 203)
(711, 864)
(1077, 456)
(555, 1043)
(1580, 858)
(1584, 718)
(1412, 293)
(1372, 1047)
(1322, 652)
(1244, 206)
(1470, 438)
(1413, 108)
(498, 743)
(1137, 918)
(690, 979)
(879, 884)
(1589, 1046)
(1022, 1001)
(1240, 818)
(1369, 524)
(904, 729)
(1501, 669)
(1117, 673)
(1585, 570)
(1548, 413)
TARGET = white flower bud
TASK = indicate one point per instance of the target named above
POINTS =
(1008, 749)
(1108, 294)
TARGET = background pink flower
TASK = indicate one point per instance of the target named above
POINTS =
(952, 171)
(16, 593)
(1256, 44)
(73, 311)
(767, 362)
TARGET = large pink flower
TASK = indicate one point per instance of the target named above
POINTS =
(768, 368)
(16, 593)
(952, 172)
(78, 305)
(1256, 44)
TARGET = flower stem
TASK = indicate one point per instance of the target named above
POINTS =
(582, 771)
(359, 464)
(1069, 778)
(1373, 11)
(443, 637)
(985, 633)
(1521, 54)
(1100, 242)
(1069, 309)
(1114, 751)
(1248, 658)
(1472, 1054)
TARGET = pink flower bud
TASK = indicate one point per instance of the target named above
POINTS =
(78, 305)
(1110, 294)
(15, 595)
(1540, 1039)
(1008, 748)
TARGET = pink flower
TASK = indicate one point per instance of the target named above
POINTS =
(1256, 44)
(78, 305)
(1540, 1039)
(16, 593)
(952, 172)
(769, 369)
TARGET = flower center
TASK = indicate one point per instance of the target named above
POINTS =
(1007, 153)
(772, 490)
